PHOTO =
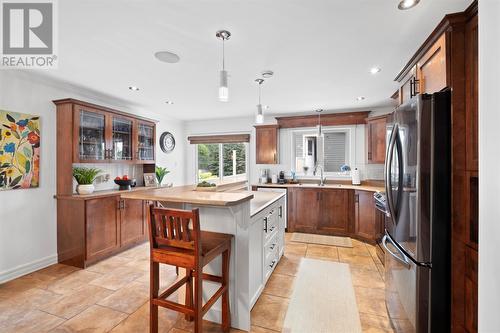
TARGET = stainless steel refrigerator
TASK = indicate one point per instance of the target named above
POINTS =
(417, 238)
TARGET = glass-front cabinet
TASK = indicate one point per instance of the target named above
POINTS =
(122, 139)
(145, 141)
(105, 136)
(92, 136)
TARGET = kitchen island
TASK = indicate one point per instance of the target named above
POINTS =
(257, 221)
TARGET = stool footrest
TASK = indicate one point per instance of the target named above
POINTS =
(173, 288)
(213, 299)
(173, 306)
(212, 278)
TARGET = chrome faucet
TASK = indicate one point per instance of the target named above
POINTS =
(321, 178)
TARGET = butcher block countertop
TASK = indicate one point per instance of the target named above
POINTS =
(363, 187)
(186, 194)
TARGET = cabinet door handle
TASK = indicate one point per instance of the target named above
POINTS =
(272, 246)
(265, 224)
(280, 214)
(272, 263)
(356, 198)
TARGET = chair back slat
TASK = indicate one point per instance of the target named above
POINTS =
(174, 228)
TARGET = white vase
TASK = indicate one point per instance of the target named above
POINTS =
(85, 189)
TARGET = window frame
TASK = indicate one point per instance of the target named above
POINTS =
(312, 131)
(223, 179)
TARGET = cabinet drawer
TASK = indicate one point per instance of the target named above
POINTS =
(271, 246)
(270, 225)
(270, 262)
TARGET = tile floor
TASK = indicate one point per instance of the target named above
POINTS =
(112, 296)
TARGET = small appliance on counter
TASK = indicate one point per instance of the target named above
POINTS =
(281, 178)
(274, 179)
(355, 177)
(263, 176)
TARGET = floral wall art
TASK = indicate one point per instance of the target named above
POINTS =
(19, 150)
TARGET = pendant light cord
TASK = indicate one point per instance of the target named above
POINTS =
(259, 91)
(223, 51)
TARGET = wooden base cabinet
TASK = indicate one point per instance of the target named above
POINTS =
(365, 225)
(334, 212)
(94, 229)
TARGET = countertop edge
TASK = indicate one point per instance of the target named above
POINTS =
(368, 188)
(268, 203)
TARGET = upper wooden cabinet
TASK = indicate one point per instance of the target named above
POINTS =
(427, 72)
(409, 86)
(266, 144)
(102, 135)
(431, 68)
(375, 139)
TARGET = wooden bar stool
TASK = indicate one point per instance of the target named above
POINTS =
(176, 239)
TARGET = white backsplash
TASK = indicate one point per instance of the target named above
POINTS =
(113, 170)
(374, 171)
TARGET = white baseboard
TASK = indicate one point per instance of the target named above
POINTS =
(27, 268)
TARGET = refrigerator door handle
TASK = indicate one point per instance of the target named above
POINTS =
(387, 173)
(401, 257)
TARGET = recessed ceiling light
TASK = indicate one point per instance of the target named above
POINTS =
(360, 98)
(407, 4)
(266, 107)
(134, 88)
(169, 102)
(168, 57)
(375, 70)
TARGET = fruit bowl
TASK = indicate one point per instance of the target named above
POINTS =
(125, 184)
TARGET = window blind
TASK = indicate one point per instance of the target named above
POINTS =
(334, 151)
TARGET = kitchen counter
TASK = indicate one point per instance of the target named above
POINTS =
(370, 188)
(186, 195)
(100, 194)
(262, 200)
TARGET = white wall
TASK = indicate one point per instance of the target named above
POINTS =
(246, 125)
(28, 238)
(489, 160)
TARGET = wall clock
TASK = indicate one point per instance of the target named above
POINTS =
(167, 142)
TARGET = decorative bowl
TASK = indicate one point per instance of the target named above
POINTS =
(125, 185)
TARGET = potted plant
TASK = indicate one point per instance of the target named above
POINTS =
(85, 178)
(160, 174)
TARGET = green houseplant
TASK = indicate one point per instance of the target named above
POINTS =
(160, 174)
(85, 178)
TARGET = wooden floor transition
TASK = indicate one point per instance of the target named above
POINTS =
(112, 296)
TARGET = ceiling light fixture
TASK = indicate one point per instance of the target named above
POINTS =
(407, 4)
(267, 74)
(259, 117)
(223, 89)
(168, 57)
(134, 88)
(375, 70)
(360, 98)
(320, 129)
(169, 102)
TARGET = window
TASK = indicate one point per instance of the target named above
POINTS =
(218, 162)
(332, 151)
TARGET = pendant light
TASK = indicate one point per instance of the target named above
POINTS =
(320, 129)
(223, 88)
(259, 117)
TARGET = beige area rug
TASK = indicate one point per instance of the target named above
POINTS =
(323, 299)
(321, 239)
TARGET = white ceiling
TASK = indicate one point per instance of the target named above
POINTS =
(320, 50)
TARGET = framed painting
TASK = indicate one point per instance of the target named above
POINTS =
(19, 150)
